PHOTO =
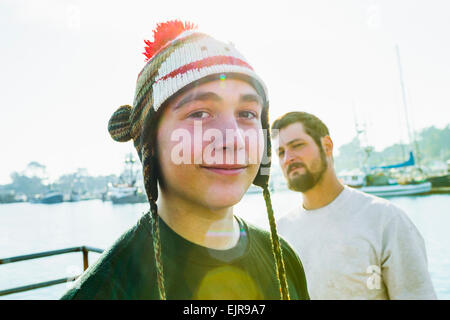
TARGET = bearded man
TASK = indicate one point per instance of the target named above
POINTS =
(352, 245)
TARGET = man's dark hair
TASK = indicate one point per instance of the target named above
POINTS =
(313, 125)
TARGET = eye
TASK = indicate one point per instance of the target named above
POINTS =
(280, 153)
(248, 115)
(199, 115)
(297, 145)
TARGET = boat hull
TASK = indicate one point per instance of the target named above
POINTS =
(57, 198)
(398, 189)
(440, 181)
(129, 199)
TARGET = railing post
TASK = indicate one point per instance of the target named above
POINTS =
(84, 249)
(85, 258)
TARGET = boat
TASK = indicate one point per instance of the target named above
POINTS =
(440, 183)
(74, 196)
(11, 197)
(391, 180)
(128, 189)
(387, 181)
(20, 197)
(50, 197)
(397, 189)
(277, 182)
(254, 189)
(353, 178)
(384, 186)
(122, 194)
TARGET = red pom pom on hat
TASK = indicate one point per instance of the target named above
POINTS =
(165, 32)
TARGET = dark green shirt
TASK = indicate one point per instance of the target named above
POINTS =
(246, 271)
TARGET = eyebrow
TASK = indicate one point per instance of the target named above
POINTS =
(200, 96)
(251, 98)
(294, 141)
(204, 96)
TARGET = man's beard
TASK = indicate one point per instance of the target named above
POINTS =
(306, 181)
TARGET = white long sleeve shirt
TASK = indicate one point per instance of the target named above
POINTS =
(359, 247)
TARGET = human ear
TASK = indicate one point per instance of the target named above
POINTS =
(327, 144)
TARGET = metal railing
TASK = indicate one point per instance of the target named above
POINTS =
(84, 249)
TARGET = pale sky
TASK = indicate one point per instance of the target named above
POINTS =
(67, 65)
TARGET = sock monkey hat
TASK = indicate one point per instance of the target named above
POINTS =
(179, 58)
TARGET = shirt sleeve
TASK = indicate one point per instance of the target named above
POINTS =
(404, 264)
(94, 286)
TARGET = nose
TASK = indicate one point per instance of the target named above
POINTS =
(288, 158)
(233, 137)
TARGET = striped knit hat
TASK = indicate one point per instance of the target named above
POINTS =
(179, 58)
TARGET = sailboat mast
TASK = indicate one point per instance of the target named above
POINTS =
(358, 132)
(416, 147)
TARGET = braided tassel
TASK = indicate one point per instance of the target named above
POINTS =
(157, 250)
(276, 248)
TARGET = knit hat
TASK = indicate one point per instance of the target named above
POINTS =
(179, 58)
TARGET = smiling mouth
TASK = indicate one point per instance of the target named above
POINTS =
(228, 170)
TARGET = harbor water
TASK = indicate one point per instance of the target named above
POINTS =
(29, 228)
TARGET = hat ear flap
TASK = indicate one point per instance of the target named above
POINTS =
(148, 154)
(149, 165)
(262, 178)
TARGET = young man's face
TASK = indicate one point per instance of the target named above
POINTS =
(302, 161)
(210, 143)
